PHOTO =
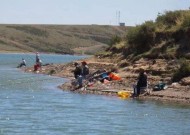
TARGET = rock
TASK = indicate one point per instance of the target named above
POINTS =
(175, 85)
(185, 81)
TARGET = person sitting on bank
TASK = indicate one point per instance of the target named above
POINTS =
(85, 69)
(78, 74)
(141, 83)
(23, 63)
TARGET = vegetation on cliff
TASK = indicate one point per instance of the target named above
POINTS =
(168, 37)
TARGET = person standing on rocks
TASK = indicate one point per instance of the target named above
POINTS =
(37, 58)
(38, 62)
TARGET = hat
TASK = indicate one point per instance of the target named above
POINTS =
(84, 63)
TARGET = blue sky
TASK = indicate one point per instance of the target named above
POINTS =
(102, 12)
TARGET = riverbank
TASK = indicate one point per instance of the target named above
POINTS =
(176, 92)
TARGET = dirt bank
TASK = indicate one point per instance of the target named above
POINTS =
(174, 93)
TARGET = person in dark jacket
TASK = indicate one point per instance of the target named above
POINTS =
(85, 69)
(77, 71)
(141, 83)
(78, 74)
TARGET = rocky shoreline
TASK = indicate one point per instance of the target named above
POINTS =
(176, 92)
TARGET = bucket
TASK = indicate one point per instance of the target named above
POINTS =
(124, 94)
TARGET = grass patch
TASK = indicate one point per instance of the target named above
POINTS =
(183, 71)
(31, 30)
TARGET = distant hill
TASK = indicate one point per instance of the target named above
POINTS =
(64, 39)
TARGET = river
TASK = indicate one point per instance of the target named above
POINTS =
(31, 104)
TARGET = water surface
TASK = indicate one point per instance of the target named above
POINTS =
(31, 104)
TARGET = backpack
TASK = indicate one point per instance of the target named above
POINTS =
(160, 86)
(85, 70)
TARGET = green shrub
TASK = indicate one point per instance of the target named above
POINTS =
(186, 22)
(170, 18)
(183, 71)
(52, 72)
(114, 40)
(2, 42)
(141, 38)
(31, 30)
